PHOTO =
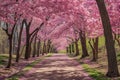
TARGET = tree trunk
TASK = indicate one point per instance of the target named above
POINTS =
(27, 52)
(83, 45)
(94, 48)
(19, 44)
(109, 42)
(70, 49)
(28, 44)
(116, 37)
(10, 36)
(10, 52)
(67, 50)
(38, 48)
(48, 46)
(77, 49)
(73, 49)
(13, 43)
(15, 40)
(44, 47)
(34, 47)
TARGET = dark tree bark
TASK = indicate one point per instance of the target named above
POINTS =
(44, 47)
(73, 49)
(109, 42)
(27, 50)
(94, 48)
(70, 49)
(116, 37)
(48, 46)
(14, 40)
(10, 52)
(10, 36)
(38, 48)
(19, 42)
(29, 38)
(34, 47)
(83, 44)
(32, 37)
(77, 49)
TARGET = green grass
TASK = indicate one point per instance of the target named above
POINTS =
(3, 58)
(62, 51)
(118, 56)
(94, 73)
(13, 78)
(49, 55)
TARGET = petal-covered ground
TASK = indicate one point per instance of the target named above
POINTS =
(56, 67)
(16, 67)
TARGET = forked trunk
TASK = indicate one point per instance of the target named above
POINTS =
(94, 48)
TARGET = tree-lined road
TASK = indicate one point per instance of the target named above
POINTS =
(56, 67)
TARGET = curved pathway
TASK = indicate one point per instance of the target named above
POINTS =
(56, 67)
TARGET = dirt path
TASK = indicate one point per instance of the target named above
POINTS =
(57, 67)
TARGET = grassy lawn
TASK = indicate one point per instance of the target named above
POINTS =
(94, 73)
(3, 59)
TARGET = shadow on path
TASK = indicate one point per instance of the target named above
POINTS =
(57, 67)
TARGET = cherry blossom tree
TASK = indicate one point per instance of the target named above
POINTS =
(47, 20)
